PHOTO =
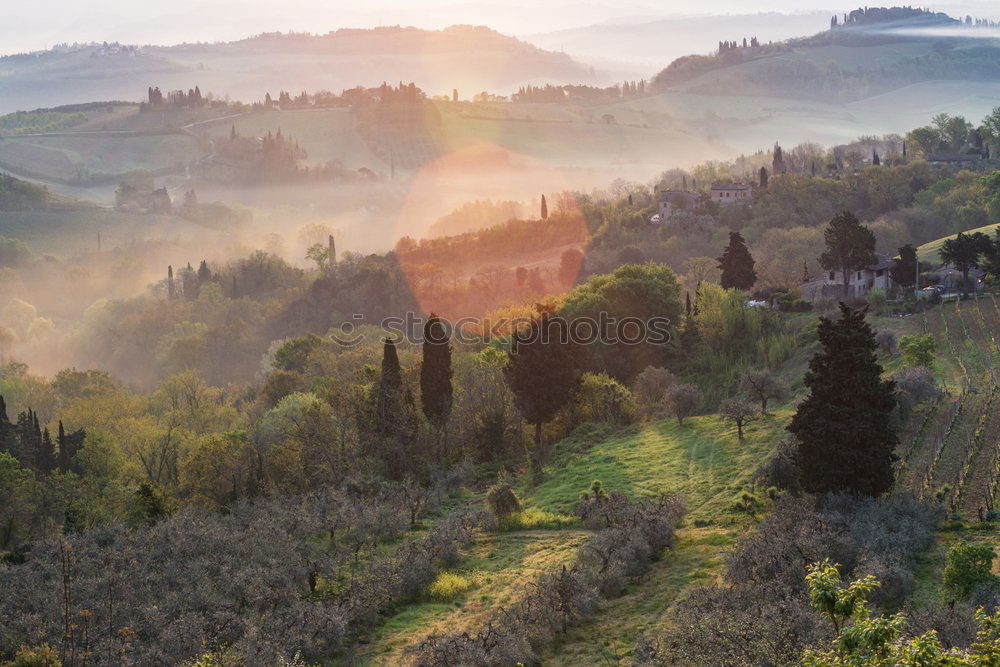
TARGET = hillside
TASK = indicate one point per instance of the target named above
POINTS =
(931, 252)
(641, 46)
(464, 57)
(867, 57)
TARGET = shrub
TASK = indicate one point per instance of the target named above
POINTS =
(969, 567)
(650, 391)
(601, 398)
(684, 401)
(781, 470)
(877, 299)
(886, 339)
(502, 500)
(448, 586)
(40, 656)
(918, 350)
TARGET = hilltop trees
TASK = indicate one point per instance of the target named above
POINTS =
(542, 373)
(844, 429)
(737, 265)
(850, 246)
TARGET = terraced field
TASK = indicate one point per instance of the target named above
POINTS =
(951, 449)
(703, 460)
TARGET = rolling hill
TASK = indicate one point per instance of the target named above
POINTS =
(873, 52)
(464, 57)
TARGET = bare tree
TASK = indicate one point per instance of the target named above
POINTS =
(740, 411)
(763, 386)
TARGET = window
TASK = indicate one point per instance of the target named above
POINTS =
(880, 273)
(859, 275)
(831, 277)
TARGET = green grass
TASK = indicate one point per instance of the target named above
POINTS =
(611, 635)
(702, 459)
(497, 567)
(448, 586)
(931, 252)
(534, 518)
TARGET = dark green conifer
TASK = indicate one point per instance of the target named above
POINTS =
(737, 265)
(844, 427)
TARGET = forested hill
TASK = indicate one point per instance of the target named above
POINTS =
(469, 58)
(865, 53)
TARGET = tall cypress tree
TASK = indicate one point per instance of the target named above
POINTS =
(435, 374)
(542, 371)
(545, 209)
(737, 264)
(7, 436)
(389, 393)
(45, 454)
(845, 436)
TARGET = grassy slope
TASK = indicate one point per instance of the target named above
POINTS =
(701, 459)
(930, 252)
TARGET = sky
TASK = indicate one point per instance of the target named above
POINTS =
(31, 25)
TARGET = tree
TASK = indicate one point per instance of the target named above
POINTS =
(435, 375)
(763, 386)
(763, 178)
(927, 139)
(650, 391)
(969, 567)
(684, 401)
(542, 372)
(844, 429)
(850, 247)
(991, 257)
(737, 265)
(918, 350)
(904, 272)
(739, 411)
(964, 252)
(320, 254)
(45, 454)
(389, 392)
(867, 640)
(545, 209)
(645, 294)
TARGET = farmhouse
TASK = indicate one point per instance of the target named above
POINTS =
(954, 160)
(669, 201)
(726, 194)
(831, 284)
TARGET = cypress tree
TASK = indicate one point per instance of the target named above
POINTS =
(763, 178)
(45, 454)
(737, 264)
(545, 209)
(435, 375)
(844, 430)
(542, 372)
(389, 392)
